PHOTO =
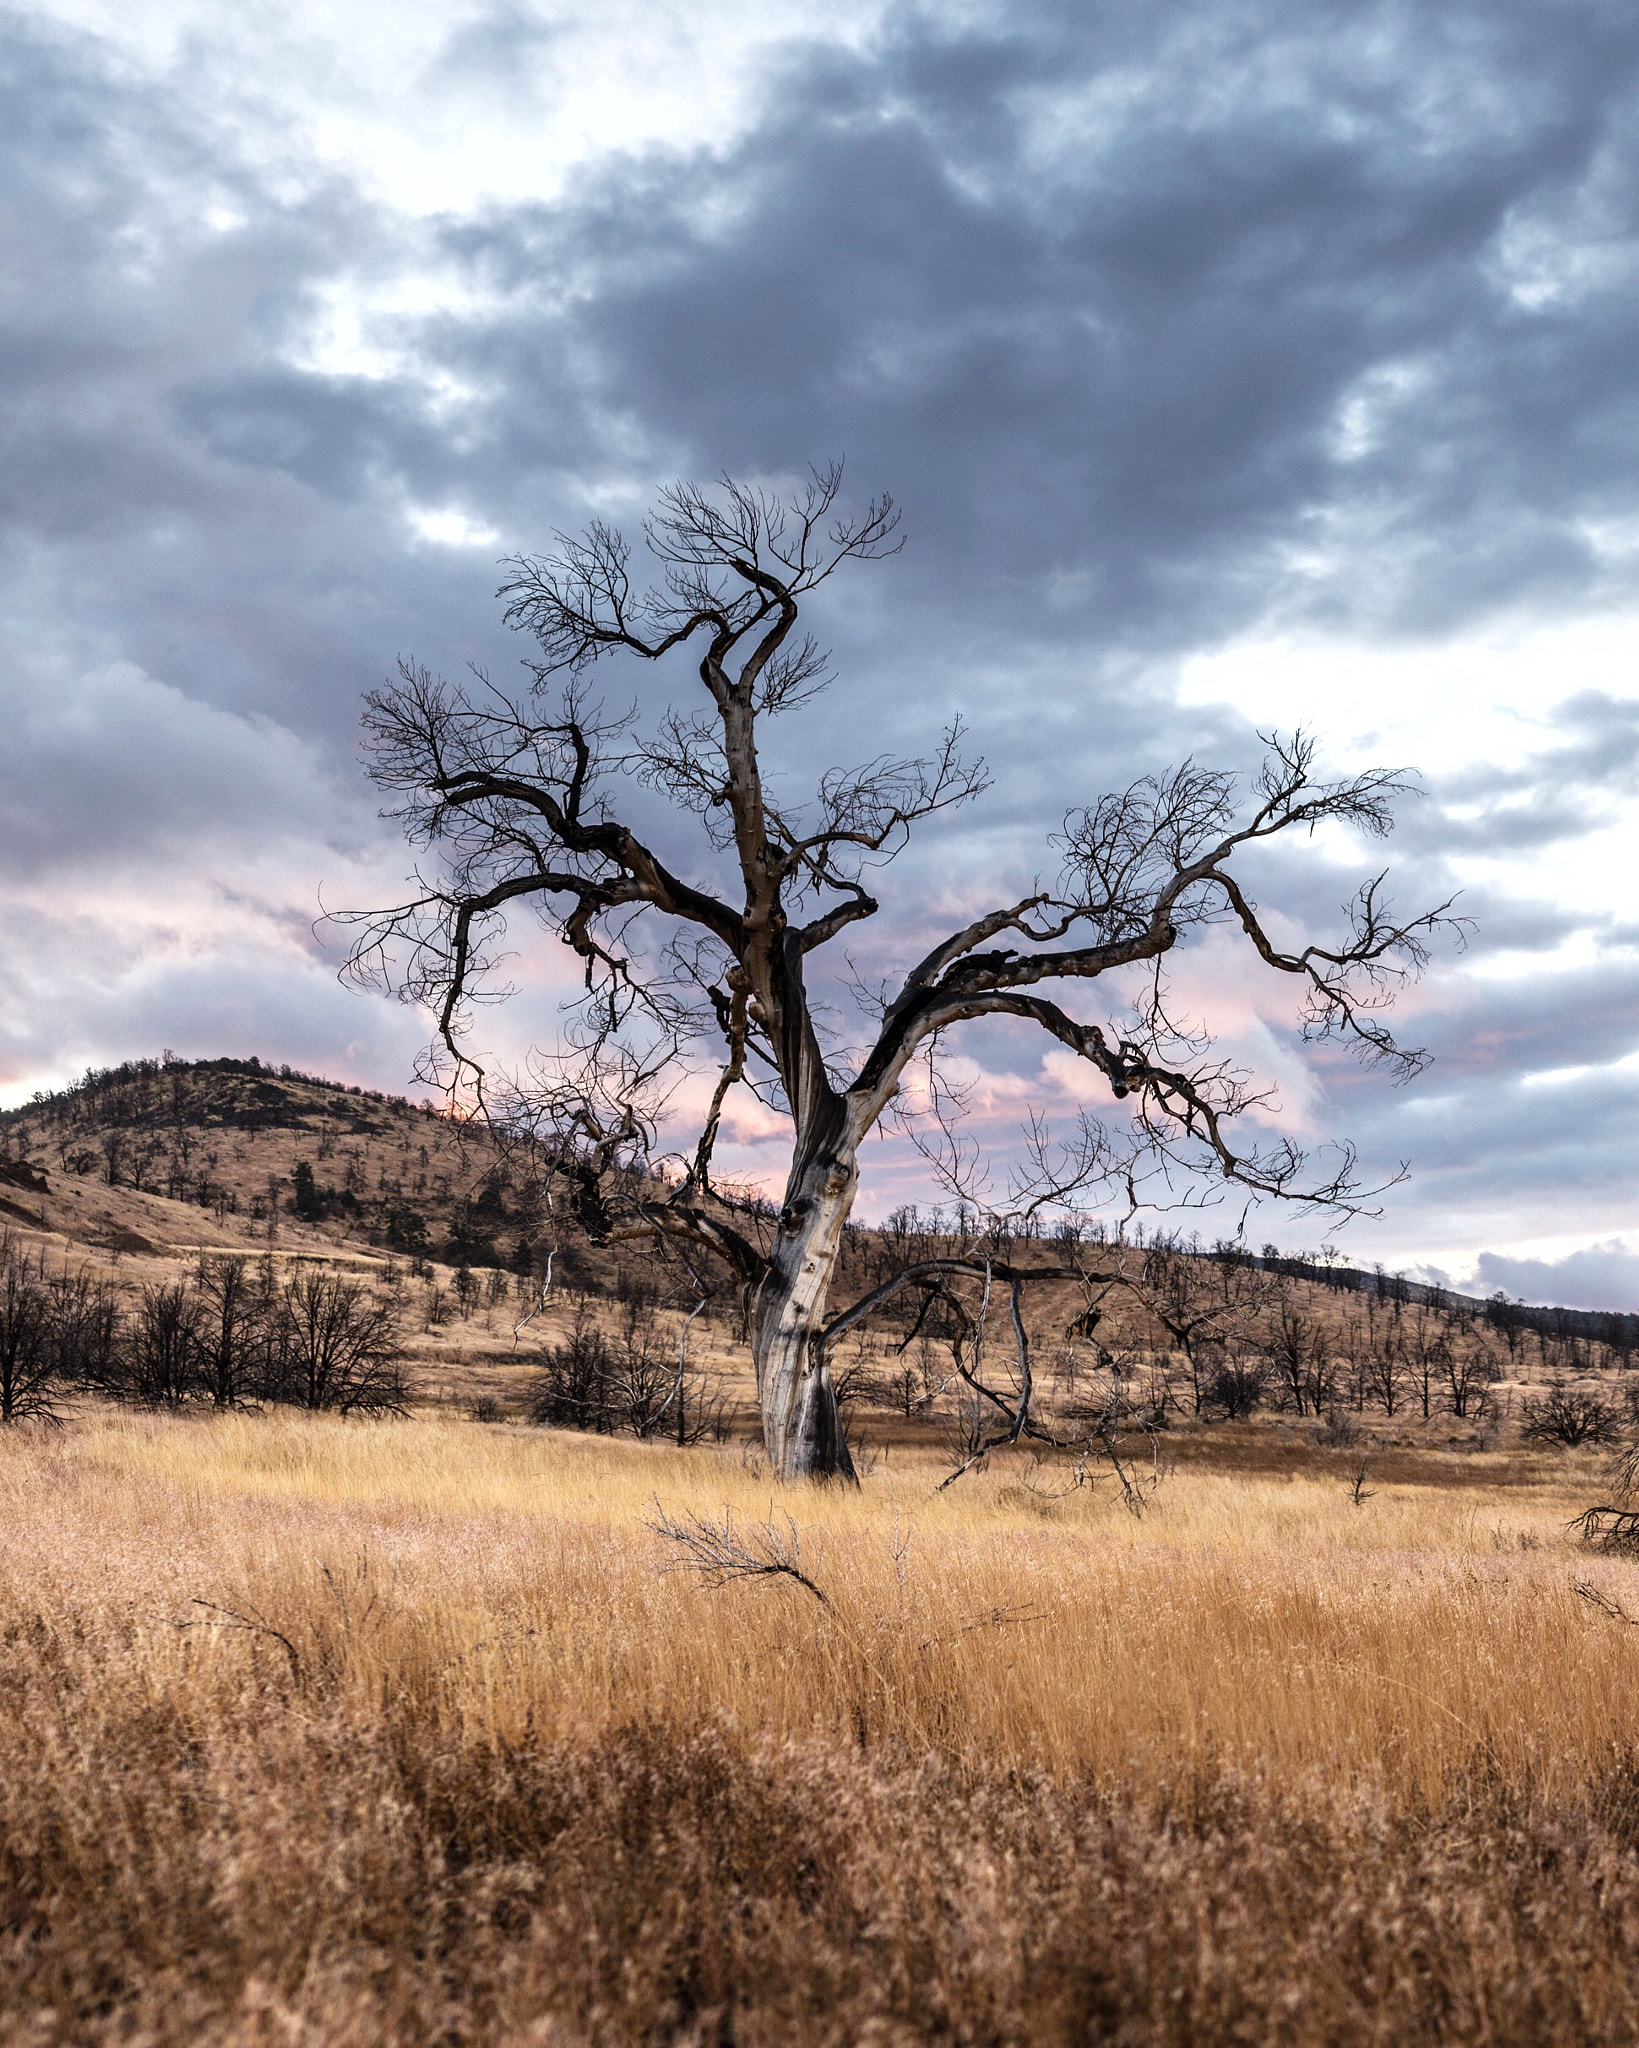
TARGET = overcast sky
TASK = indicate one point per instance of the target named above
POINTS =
(1235, 365)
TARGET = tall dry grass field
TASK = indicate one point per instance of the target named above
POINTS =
(405, 1732)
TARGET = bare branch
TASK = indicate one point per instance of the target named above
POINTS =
(720, 1552)
(695, 964)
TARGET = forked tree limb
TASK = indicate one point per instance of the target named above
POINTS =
(516, 797)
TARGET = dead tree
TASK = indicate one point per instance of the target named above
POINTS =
(516, 799)
(27, 1361)
(1299, 1357)
(336, 1346)
(1201, 1303)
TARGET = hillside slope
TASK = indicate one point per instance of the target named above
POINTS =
(140, 1168)
(214, 1152)
(137, 1170)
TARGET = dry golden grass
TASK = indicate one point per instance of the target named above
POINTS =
(447, 1754)
(1245, 1622)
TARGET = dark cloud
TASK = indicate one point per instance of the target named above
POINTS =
(1166, 325)
(1156, 330)
(1130, 319)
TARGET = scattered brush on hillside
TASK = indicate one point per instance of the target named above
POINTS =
(118, 1185)
(230, 1333)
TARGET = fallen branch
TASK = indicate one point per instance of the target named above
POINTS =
(246, 1624)
(719, 1552)
(1611, 1529)
(1586, 1590)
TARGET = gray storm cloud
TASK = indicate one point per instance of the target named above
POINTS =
(1165, 326)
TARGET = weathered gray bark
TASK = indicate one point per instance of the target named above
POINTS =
(801, 1424)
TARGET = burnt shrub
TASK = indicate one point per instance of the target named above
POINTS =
(575, 1385)
(335, 1345)
(1235, 1388)
(1569, 1416)
(28, 1364)
(163, 1364)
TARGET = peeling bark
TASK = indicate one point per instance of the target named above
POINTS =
(801, 1424)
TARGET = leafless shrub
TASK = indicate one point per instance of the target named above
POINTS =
(337, 1347)
(907, 1388)
(572, 1387)
(1300, 1365)
(643, 1380)
(87, 1330)
(162, 1355)
(1338, 1430)
(859, 1381)
(1568, 1416)
(631, 1382)
(1470, 1375)
(231, 1330)
(1234, 1388)
(1383, 1372)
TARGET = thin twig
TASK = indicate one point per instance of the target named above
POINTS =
(720, 1552)
(998, 1617)
(1586, 1590)
(248, 1624)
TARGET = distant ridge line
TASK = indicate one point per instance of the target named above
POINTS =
(1615, 1327)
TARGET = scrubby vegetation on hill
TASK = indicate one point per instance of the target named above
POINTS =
(133, 1193)
(237, 1138)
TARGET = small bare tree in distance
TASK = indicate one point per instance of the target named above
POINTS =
(516, 797)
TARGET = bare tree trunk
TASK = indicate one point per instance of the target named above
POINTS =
(514, 797)
(801, 1424)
